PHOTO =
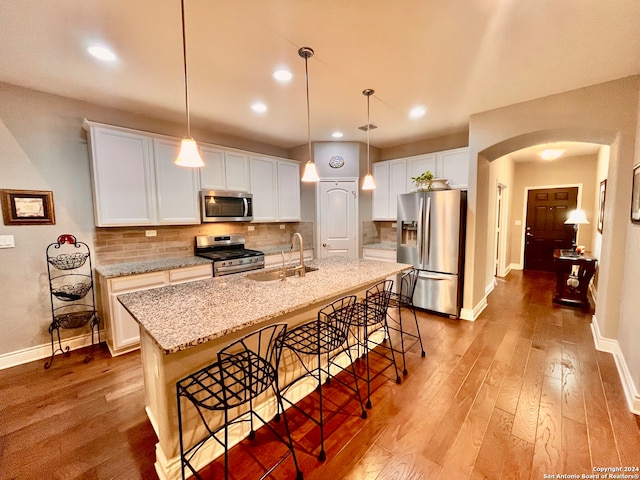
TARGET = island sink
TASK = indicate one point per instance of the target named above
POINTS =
(279, 274)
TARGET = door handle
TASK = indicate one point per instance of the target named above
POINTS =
(325, 245)
(529, 234)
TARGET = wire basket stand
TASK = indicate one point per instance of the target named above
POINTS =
(72, 293)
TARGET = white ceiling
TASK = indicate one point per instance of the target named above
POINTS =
(456, 57)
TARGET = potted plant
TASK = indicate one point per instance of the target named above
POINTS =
(423, 181)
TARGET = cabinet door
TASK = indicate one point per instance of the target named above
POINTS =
(453, 165)
(264, 182)
(288, 191)
(418, 165)
(176, 187)
(212, 175)
(237, 172)
(397, 185)
(381, 193)
(125, 330)
(122, 171)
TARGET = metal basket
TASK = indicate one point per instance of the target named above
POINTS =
(70, 293)
(67, 261)
(74, 319)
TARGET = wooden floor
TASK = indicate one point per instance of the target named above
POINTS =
(519, 393)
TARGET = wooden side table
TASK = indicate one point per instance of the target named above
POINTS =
(573, 274)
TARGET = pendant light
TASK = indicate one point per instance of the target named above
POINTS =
(310, 172)
(189, 155)
(368, 182)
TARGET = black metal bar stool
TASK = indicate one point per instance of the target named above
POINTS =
(370, 317)
(326, 336)
(244, 370)
(403, 298)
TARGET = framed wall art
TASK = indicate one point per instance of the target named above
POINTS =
(27, 207)
(635, 195)
(601, 196)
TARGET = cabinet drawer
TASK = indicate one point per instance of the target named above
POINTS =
(187, 274)
(137, 282)
(377, 254)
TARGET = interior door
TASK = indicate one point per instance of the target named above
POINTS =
(338, 219)
(547, 210)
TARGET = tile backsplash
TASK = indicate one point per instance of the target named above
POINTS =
(131, 244)
(378, 232)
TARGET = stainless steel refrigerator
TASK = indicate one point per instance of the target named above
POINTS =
(431, 230)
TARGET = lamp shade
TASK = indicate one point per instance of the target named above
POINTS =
(310, 173)
(368, 183)
(189, 155)
(577, 217)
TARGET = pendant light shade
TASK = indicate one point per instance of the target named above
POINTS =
(310, 173)
(189, 155)
(368, 182)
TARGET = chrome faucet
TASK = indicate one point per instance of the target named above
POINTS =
(300, 270)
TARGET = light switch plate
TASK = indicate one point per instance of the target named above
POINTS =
(7, 241)
(150, 233)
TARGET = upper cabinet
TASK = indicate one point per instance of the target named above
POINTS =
(177, 187)
(135, 181)
(393, 177)
(391, 180)
(122, 172)
(275, 185)
(224, 170)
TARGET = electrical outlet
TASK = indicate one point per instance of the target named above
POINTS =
(250, 228)
(7, 241)
(281, 227)
(150, 233)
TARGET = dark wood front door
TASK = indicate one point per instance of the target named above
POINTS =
(547, 210)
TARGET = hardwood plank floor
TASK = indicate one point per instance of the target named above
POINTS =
(519, 393)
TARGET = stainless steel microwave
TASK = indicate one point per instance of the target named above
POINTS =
(221, 206)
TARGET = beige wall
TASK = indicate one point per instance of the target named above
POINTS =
(501, 173)
(43, 147)
(573, 171)
(607, 114)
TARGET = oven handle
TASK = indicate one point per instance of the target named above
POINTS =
(219, 271)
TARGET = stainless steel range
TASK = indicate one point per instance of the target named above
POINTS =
(228, 254)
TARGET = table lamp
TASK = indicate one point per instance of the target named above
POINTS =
(576, 217)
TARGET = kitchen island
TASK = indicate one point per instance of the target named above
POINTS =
(183, 326)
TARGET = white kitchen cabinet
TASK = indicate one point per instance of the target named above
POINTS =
(288, 192)
(224, 170)
(122, 331)
(123, 177)
(379, 254)
(275, 185)
(454, 166)
(390, 177)
(177, 187)
(135, 181)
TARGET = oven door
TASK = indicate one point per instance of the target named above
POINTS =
(219, 270)
(218, 206)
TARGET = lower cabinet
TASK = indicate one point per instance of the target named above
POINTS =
(276, 260)
(122, 331)
(378, 254)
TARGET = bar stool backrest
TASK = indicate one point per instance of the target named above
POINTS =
(408, 286)
(334, 321)
(248, 366)
(380, 294)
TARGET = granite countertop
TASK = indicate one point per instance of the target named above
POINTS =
(147, 266)
(179, 316)
(381, 246)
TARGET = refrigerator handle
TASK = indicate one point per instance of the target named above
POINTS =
(427, 230)
(419, 232)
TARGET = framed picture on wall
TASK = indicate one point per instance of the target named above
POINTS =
(27, 207)
(602, 195)
(635, 195)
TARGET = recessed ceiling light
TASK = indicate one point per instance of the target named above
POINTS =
(337, 134)
(417, 112)
(551, 153)
(102, 53)
(259, 107)
(282, 75)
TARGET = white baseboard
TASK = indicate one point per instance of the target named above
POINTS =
(515, 266)
(613, 347)
(473, 314)
(39, 352)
